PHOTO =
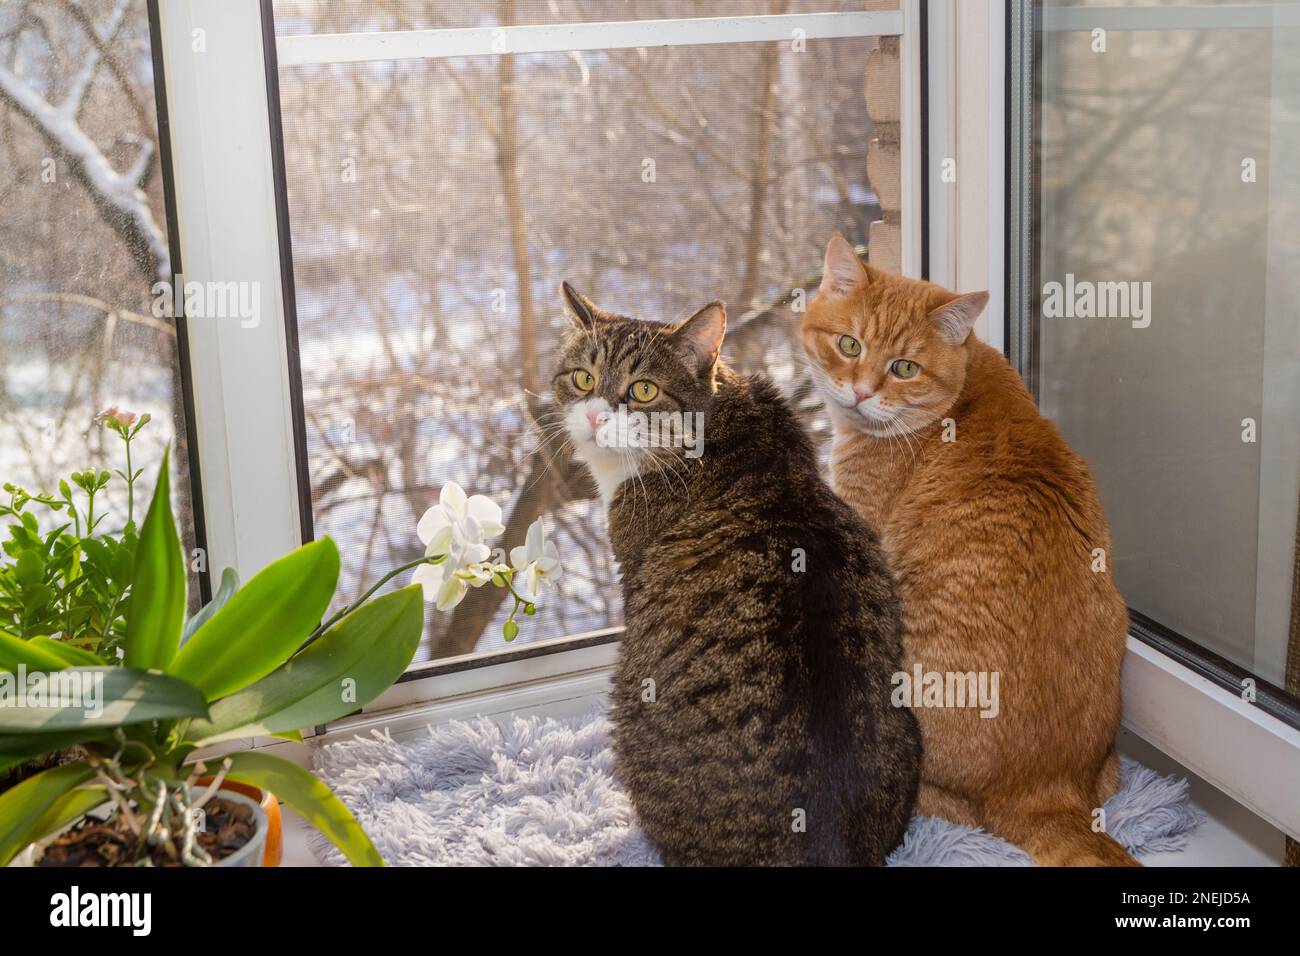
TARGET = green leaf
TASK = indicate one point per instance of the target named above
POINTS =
(37, 596)
(303, 792)
(20, 748)
(153, 626)
(84, 697)
(15, 651)
(369, 649)
(98, 552)
(66, 809)
(30, 568)
(124, 558)
(229, 585)
(263, 623)
(72, 656)
(25, 810)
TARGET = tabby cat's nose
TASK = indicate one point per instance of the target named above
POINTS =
(862, 394)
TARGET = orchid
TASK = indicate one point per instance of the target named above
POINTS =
(456, 529)
(538, 561)
(455, 534)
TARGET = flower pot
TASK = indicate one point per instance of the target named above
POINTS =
(270, 806)
(251, 853)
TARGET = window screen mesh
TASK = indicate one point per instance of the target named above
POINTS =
(82, 243)
(436, 205)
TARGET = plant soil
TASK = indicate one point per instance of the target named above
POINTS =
(94, 842)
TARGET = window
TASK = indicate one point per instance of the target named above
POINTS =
(438, 192)
(83, 240)
(1160, 324)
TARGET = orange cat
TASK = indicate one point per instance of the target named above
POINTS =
(996, 534)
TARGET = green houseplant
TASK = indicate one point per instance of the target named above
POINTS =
(257, 660)
(72, 582)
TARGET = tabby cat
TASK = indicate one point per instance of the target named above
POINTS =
(996, 533)
(752, 715)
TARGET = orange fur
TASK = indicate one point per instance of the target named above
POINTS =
(991, 537)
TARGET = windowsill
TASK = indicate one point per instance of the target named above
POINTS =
(1230, 836)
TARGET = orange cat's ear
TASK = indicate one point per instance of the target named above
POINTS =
(582, 310)
(842, 271)
(700, 336)
(956, 318)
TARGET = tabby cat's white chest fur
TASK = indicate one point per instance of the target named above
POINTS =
(609, 466)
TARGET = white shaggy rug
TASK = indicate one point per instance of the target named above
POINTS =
(528, 791)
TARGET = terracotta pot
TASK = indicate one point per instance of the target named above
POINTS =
(270, 806)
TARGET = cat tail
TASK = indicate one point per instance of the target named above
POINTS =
(1063, 837)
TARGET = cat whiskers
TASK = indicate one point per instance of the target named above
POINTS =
(895, 429)
(628, 456)
(673, 467)
(546, 434)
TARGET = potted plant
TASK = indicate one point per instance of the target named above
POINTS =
(258, 660)
(67, 588)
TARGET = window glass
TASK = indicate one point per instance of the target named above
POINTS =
(82, 243)
(435, 207)
(1168, 195)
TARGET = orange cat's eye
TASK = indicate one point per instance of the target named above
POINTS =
(849, 346)
(904, 368)
(583, 380)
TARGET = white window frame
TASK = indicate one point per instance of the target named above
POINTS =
(966, 73)
(245, 435)
(228, 230)
(1246, 752)
(225, 209)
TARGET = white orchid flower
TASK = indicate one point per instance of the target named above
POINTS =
(458, 528)
(450, 592)
(537, 562)
(477, 510)
(478, 573)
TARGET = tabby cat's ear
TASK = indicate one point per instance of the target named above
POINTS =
(700, 336)
(581, 310)
(955, 318)
(842, 270)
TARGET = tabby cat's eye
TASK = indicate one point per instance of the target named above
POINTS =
(904, 368)
(643, 391)
(583, 380)
(850, 346)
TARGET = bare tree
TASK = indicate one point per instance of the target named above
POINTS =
(81, 241)
(654, 179)
(117, 196)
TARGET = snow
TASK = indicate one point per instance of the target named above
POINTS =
(118, 193)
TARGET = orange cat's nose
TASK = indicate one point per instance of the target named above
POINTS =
(861, 394)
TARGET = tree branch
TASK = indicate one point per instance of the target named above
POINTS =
(116, 196)
(76, 97)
